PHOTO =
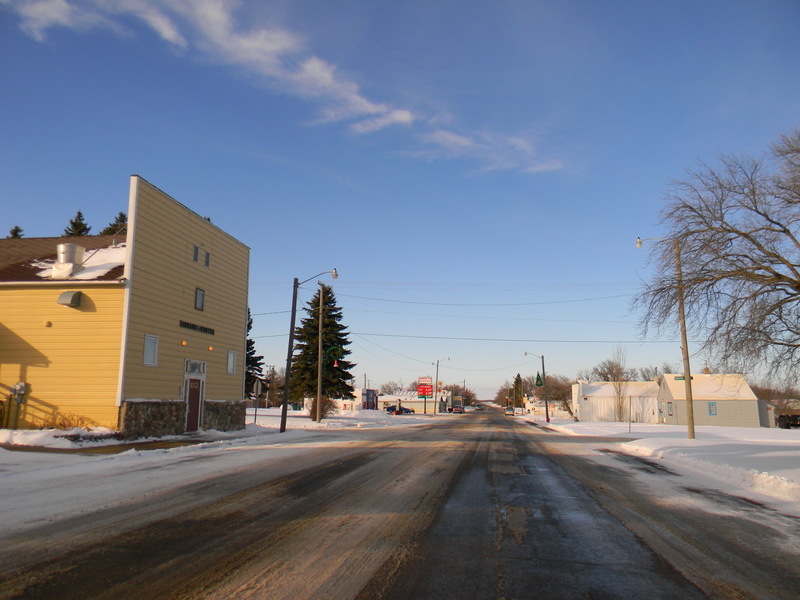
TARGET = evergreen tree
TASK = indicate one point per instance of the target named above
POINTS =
(336, 375)
(77, 226)
(15, 233)
(519, 391)
(254, 364)
(118, 225)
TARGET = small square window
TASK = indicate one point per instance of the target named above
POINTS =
(199, 299)
(150, 351)
(231, 362)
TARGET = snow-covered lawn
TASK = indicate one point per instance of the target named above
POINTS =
(763, 464)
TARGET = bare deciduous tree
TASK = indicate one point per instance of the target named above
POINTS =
(392, 387)
(620, 378)
(736, 227)
(559, 390)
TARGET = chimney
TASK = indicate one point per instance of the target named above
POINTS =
(69, 258)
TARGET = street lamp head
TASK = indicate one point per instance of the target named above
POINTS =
(638, 242)
(334, 274)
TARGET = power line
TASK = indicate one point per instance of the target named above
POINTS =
(484, 304)
(535, 341)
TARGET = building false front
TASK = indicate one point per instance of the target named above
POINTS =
(144, 333)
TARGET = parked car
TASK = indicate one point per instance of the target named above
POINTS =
(458, 410)
(509, 411)
(393, 410)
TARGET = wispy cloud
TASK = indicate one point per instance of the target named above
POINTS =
(281, 58)
(493, 151)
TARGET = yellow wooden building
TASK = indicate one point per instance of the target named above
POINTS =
(141, 332)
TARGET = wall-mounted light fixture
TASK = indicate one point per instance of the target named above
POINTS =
(184, 343)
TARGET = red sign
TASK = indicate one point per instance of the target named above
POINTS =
(425, 387)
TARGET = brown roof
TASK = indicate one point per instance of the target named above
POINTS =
(17, 254)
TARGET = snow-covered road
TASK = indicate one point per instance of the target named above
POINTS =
(53, 500)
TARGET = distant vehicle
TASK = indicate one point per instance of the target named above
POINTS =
(788, 421)
(458, 410)
(509, 411)
(479, 407)
(393, 410)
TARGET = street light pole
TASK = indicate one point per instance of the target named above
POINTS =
(544, 386)
(436, 386)
(290, 352)
(318, 416)
(687, 373)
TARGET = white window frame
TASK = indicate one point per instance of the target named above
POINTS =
(150, 358)
(232, 362)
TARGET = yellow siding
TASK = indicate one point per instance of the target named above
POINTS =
(68, 356)
(163, 279)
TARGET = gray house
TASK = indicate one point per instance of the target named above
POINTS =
(717, 399)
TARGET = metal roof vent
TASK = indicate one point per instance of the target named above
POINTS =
(71, 299)
(69, 258)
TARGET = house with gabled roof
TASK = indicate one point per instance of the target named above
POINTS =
(142, 332)
(717, 399)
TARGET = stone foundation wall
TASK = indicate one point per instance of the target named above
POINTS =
(157, 418)
(224, 415)
(152, 418)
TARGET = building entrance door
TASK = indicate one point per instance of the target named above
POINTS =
(194, 382)
(193, 405)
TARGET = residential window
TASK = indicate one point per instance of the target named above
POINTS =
(208, 258)
(150, 351)
(669, 408)
(196, 253)
(712, 409)
(199, 299)
(231, 362)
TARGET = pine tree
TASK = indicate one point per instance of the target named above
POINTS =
(15, 233)
(77, 226)
(518, 390)
(118, 225)
(254, 364)
(336, 375)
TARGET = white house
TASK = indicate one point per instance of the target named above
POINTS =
(634, 401)
(717, 399)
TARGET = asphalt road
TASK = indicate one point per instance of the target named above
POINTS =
(472, 506)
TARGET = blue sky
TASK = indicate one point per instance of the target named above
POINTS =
(476, 171)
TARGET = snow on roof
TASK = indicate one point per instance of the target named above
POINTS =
(98, 263)
(710, 386)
